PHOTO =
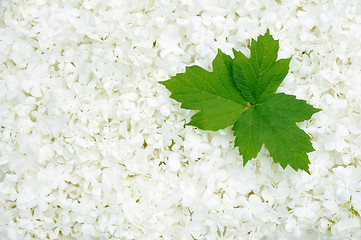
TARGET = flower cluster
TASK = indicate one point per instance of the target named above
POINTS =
(91, 147)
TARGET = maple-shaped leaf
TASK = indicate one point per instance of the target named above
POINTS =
(241, 91)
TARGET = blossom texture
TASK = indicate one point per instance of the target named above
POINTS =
(92, 147)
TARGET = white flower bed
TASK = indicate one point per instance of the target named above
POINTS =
(93, 148)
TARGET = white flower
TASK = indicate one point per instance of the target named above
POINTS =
(92, 147)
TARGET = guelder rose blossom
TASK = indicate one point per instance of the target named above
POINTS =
(92, 147)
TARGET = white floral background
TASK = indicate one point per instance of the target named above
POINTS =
(92, 147)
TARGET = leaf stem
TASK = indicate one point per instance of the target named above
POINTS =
(250, 105)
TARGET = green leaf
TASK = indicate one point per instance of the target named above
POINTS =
(273, 123)
(242, 92)
(259, 76)
(213, 93)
